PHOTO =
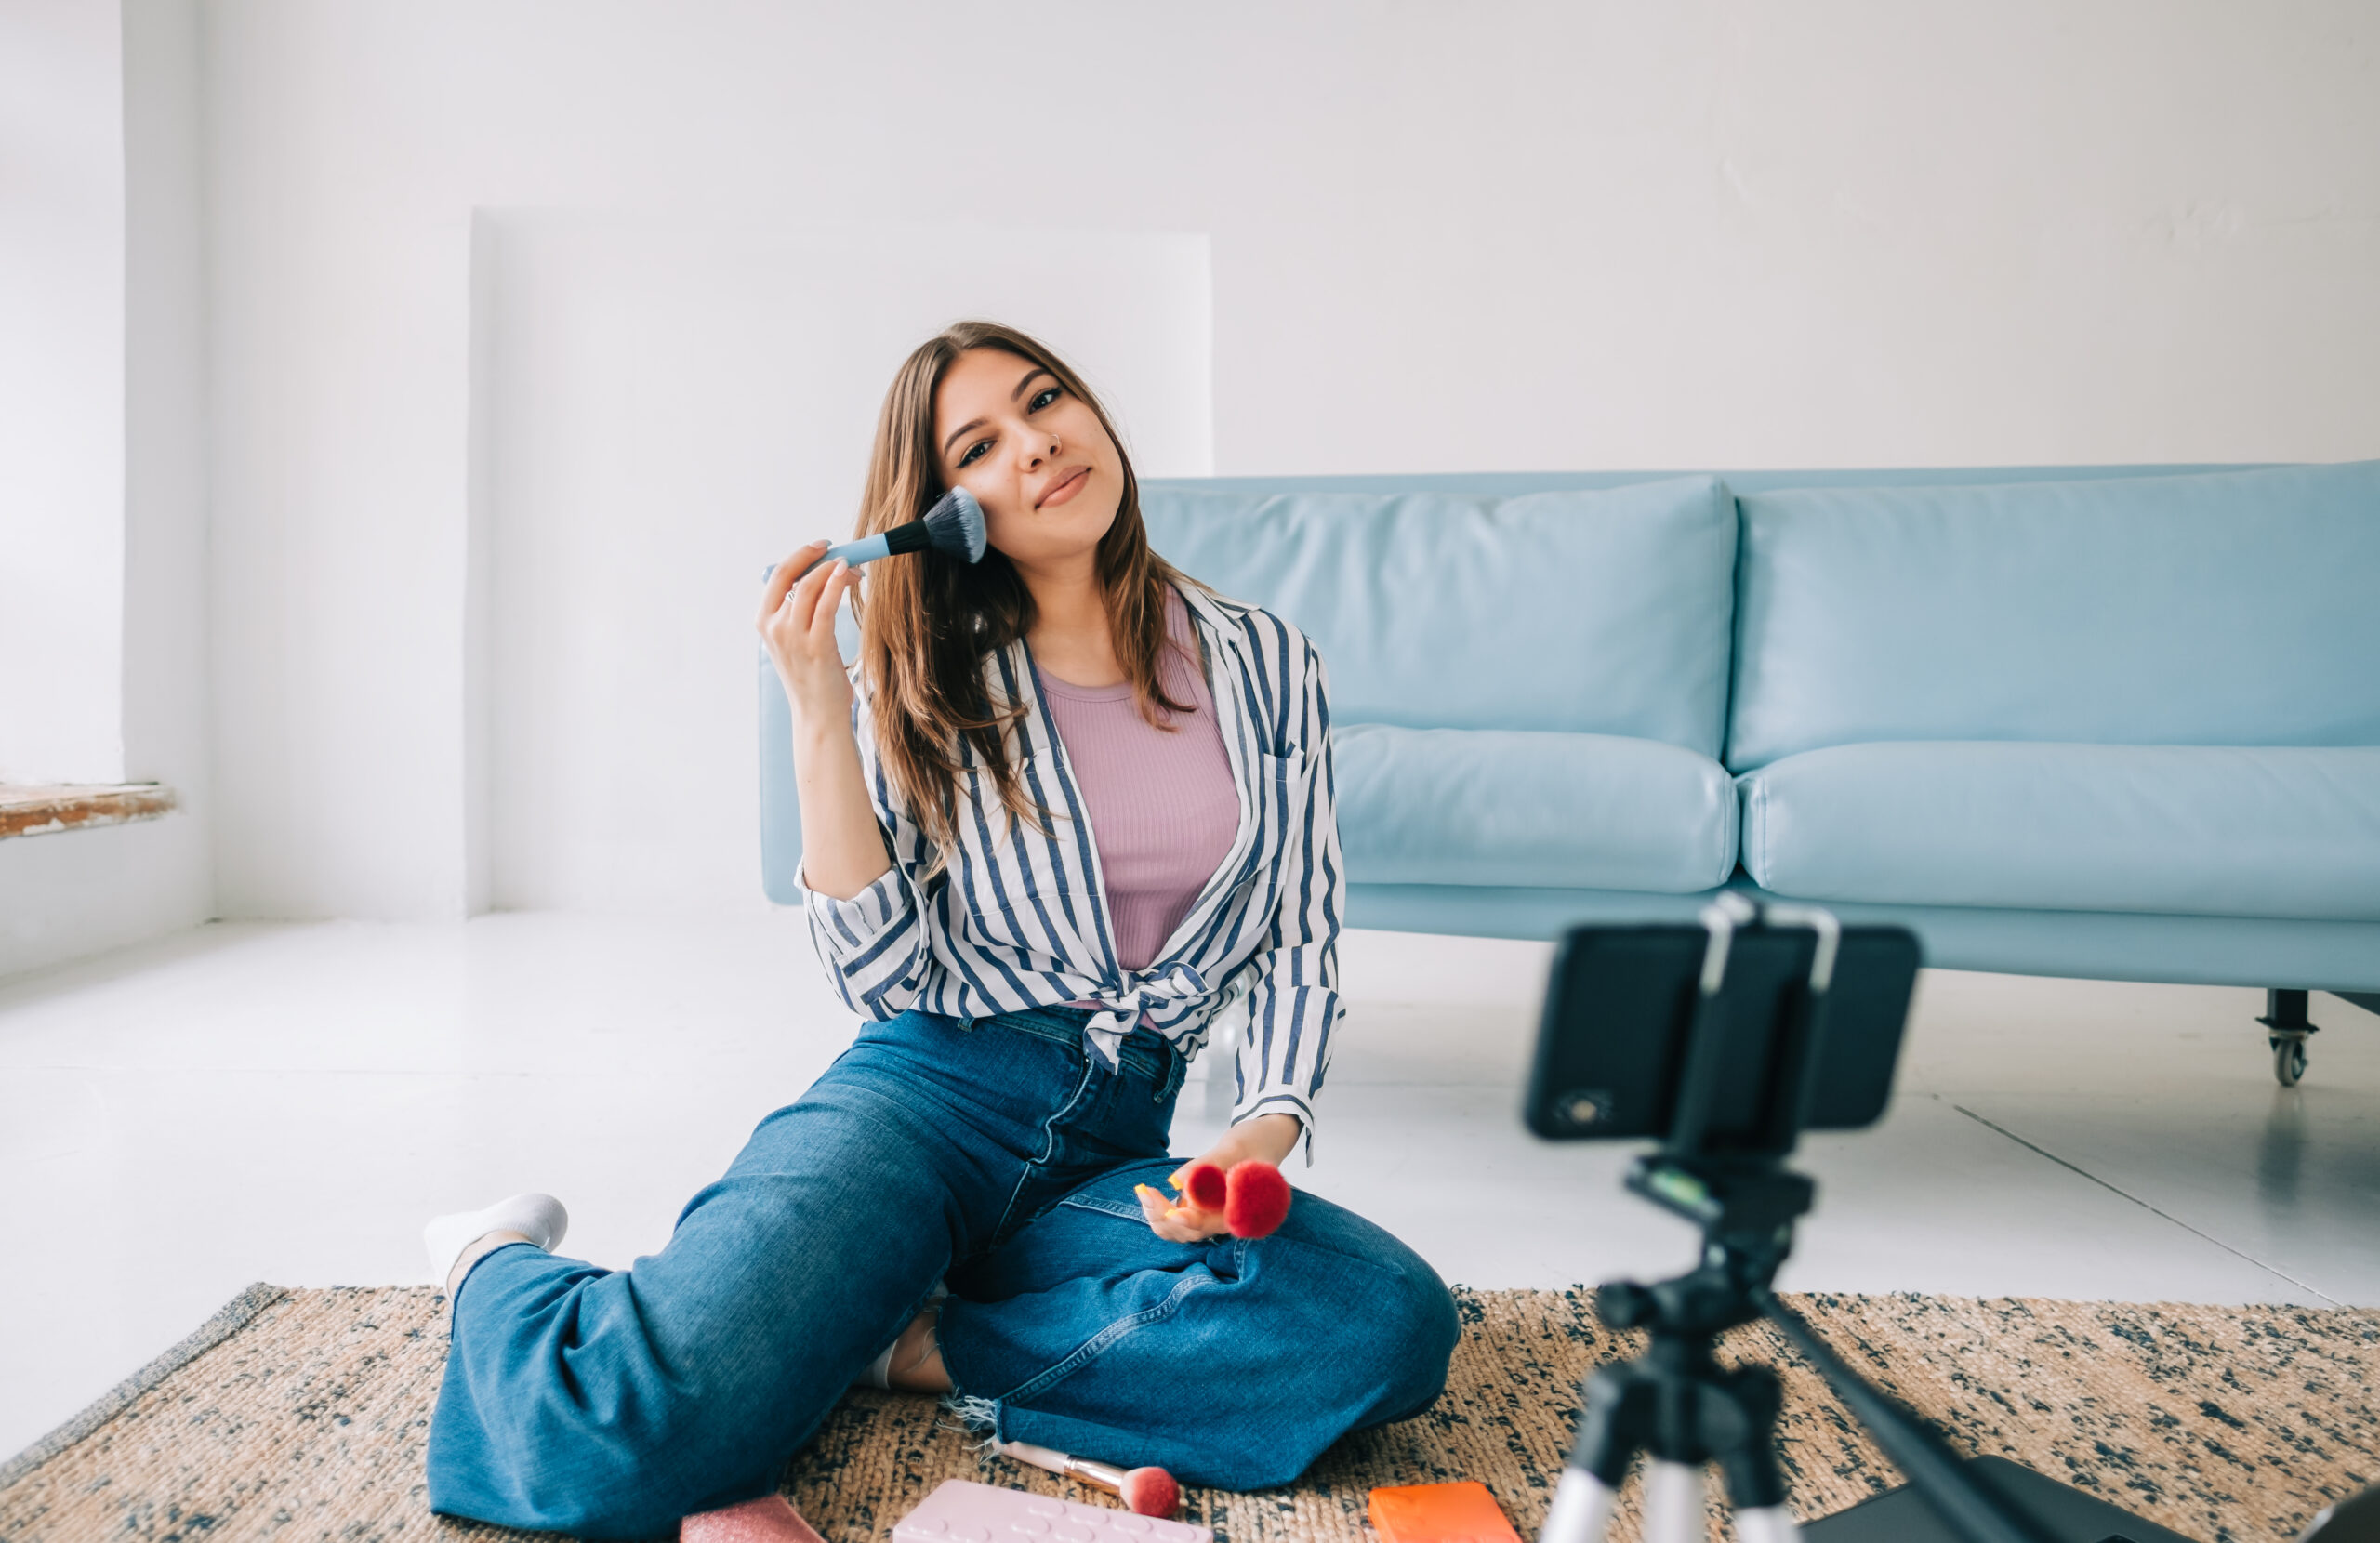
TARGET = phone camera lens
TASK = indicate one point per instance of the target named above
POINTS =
(1582, 1108)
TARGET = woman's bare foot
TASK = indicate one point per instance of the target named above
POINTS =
(769, 1519)
(916, 1357)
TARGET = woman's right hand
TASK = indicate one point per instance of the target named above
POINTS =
(796, 627)
(843, 848)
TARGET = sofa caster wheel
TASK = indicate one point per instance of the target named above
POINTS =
(2286, 1024)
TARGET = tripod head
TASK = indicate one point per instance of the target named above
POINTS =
(1726, 1174)
(1746, 1211)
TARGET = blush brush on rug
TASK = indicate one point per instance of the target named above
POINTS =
(304, 1414)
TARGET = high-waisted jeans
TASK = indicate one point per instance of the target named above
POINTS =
(996, 1153)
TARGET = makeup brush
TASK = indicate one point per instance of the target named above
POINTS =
(1256, 1200)
(1253, 1197)
(1146, 1491)
(1205, 1186)
(954, 526)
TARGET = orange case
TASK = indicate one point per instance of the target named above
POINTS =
(1462, 1512)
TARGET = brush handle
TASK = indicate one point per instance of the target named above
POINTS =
(1106, 1478)
(1040, 1457)
(867, 548)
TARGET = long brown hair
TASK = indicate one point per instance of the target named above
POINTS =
(929, 622)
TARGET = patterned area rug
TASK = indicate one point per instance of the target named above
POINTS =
(304, 1414)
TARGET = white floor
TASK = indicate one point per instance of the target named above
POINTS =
(289, 1103)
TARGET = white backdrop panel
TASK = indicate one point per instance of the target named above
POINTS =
(668, 410)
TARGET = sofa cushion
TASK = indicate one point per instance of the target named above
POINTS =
(1514, 807)
(2184, 829)
(1606, 611)
(2232, 608)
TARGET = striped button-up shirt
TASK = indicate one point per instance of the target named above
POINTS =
(1017, 916)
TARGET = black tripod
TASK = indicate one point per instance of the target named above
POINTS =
(1675, 1403)
(1722, 1167)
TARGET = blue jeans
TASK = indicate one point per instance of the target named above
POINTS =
(994, 1152)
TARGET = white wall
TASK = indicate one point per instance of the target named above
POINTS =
(668, 407)
(1550, 235)
(167, 684)
(61, 391)
(128, 554)
(84, 892)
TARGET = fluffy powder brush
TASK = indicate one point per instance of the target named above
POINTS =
(954, 526)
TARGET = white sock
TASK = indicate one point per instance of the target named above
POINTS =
(538, 1217)
(880, 1371)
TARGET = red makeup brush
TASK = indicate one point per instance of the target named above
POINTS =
(1256, 1200)
(1205, 1186)
(1253, 1197)
(1146, 1491)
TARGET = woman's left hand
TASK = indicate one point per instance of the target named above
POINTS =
(1270, 1137)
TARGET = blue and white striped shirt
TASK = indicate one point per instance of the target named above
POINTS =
(1018, 918)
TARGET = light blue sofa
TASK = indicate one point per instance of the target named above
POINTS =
(2116, 722)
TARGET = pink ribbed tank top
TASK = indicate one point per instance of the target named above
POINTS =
(1163, 806)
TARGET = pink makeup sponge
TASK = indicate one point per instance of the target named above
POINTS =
(1256, 1199)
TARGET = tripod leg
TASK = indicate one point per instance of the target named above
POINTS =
(1743, 1431)
(1581, 1509)
(1613, 1408)
(1768, 1525)
(1673, 1503)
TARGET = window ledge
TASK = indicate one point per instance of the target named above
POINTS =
(33, 811)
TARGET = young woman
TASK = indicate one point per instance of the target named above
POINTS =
(1075, 803)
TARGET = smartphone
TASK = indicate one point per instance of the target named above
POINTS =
(1621, 1003)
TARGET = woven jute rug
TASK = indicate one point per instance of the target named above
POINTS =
(304, 1415)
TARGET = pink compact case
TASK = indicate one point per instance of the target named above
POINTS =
(960, 1512)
